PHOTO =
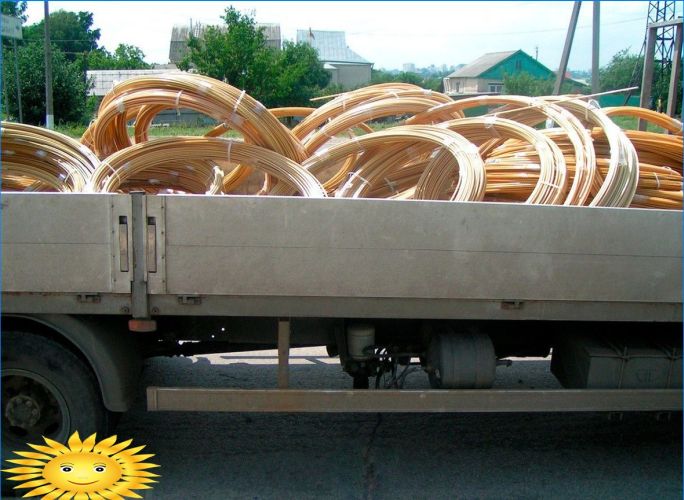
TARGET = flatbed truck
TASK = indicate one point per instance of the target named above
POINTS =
(92, 284)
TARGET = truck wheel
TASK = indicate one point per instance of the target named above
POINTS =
(47, 390)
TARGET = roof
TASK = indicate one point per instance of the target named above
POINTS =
(181, 32)
(330, 45)
(482, 64)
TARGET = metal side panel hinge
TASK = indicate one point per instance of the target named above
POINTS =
(512, 305)
(123, 243)
(189, 300)
(151, 246)
(88, 298)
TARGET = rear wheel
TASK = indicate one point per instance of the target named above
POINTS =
(47, 390)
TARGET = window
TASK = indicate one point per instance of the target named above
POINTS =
(518, 65)
(496, 87)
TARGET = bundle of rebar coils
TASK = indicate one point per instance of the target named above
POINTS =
(546, 150)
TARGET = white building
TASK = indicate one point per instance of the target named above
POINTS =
(104, 79)
(180, 35)
(346, 67)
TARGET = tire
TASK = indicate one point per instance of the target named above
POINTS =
(47, 390)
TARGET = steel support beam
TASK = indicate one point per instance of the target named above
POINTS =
(647, 78)
(139, 296)
(283, 353)
(393, 401)
(566, 48)
(665, 24)
(595, 34)
(675, 71)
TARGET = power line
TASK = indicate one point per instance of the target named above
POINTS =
(497, 33)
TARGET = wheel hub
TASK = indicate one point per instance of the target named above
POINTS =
(23, 411)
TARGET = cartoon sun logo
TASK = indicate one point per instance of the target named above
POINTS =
(83, 470)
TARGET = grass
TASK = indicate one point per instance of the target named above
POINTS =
(76, 131)
(171, 130)
(72, 130)
(377, 126)
(632, 123)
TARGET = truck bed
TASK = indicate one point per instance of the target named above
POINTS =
(298, 257)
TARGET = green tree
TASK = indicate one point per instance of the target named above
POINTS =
(434, 82)
(299, 75)
(621, 71)
(72, 33)
(69, 86)
(124, 57)
(661, 88)
(130, 57)
(16, 9)
(519, 84)
(100, 58)
(237, 54)
(382, 76)
(524, 83)
(431, 81)
(626, 70)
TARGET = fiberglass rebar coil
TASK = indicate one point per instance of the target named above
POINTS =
(557, 150)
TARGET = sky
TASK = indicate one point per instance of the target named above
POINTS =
(386, 33)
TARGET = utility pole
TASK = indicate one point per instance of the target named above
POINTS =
(17, 80)
(566, 48)
(4, 93)
(596, 23)
(49, 113)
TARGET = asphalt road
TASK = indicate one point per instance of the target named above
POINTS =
(277, 456)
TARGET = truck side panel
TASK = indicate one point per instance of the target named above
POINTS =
(65, 243)
(267, 256)
(369, 249)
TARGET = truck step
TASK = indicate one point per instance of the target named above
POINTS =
(411, 401)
